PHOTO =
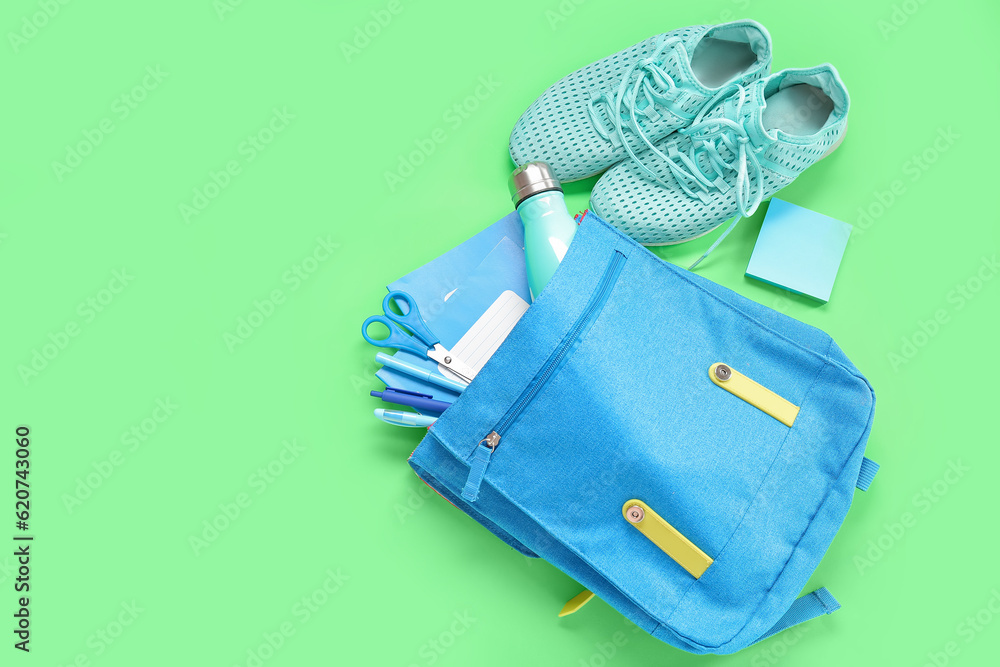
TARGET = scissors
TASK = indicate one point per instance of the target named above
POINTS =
(422, 342)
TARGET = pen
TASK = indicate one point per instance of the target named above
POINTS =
(417, 372)
(412, 399)
(400, 418)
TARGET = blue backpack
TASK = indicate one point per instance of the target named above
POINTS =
(685, 453)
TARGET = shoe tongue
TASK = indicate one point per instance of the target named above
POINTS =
(676, 62)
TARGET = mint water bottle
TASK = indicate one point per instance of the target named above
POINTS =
(548, 226)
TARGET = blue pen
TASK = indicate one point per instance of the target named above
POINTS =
(400, 418)
(417, 372)
(412, 399)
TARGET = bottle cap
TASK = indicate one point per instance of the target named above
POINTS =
(530, 179)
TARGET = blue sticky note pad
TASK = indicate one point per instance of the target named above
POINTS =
(799, 250)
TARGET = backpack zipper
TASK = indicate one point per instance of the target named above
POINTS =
(484, 451)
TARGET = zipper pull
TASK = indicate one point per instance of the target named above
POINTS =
(481, 459)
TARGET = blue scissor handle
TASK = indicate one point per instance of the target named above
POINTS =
(397, 338)
(411, 318)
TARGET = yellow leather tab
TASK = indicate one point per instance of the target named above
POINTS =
(665, 536)
(756, 395)
(574, 605)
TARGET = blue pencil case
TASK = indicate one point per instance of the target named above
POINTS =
(683, 452)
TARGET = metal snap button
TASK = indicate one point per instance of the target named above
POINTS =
(723, 372)
(635, 514)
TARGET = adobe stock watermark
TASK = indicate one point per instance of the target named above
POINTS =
(121, 108)
(560, 13)
(293, 279)
(923, 501)
(368, 31)
(453, 118)
(900, 14)
(248, 150)
(434, 648)
(107, 635)
(87, 311)
(913, 169)
(35, 21)
(778, 646)
(605, 652)
(131, 439)
(302, 611)
(415, 500)
(224, 7)
(966, 631)
(361, 381)
(258, 482)
(957, 298)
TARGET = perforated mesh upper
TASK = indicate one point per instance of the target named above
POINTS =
(656, 215)
(557, 127)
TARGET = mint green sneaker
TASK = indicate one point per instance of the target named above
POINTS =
(619, 106)
(747, 143)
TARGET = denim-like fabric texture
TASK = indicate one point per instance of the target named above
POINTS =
(631, 412)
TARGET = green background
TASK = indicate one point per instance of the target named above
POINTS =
(344, 500)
